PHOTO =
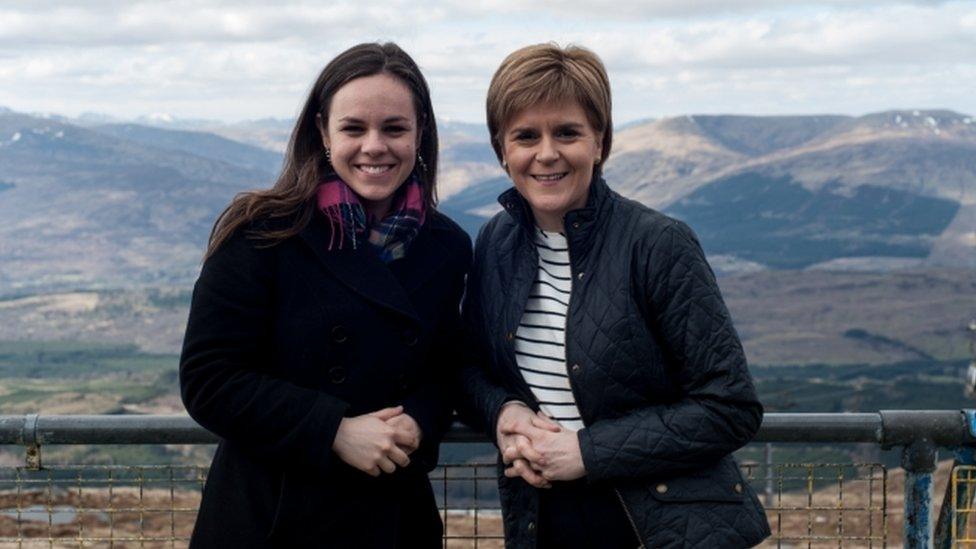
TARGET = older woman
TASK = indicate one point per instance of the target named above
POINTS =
(614, 382)
(322, 324)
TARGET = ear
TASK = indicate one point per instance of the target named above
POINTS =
(599, 149)
(320, 123)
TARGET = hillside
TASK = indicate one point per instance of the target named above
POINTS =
(125, 205)
(882, 191)
(783, 317)
(98, 205)
(91, 210)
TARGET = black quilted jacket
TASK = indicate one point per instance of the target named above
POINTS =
(655, 365)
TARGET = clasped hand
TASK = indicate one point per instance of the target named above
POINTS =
(536, 448)
(377, 442)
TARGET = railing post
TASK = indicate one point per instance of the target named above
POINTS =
(768, 489)
(29, 438)
(918, 460)
(958, 497)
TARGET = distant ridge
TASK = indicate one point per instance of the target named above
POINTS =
(803, 188)
(100, 205)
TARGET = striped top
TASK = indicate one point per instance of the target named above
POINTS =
(540, 342)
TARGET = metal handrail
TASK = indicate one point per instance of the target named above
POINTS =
(941, 428)
(919, 433)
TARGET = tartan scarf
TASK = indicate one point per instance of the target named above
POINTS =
(351, 227)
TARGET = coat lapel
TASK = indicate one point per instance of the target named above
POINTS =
(360, 270)
(424, 258)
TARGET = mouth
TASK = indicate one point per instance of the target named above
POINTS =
(549, 177)
(374, 169)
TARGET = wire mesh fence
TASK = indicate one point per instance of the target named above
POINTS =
(811, 505)
(829, 505)
(963, 512)
(99, 505)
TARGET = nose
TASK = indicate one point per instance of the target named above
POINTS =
(374, 143)
(547, 152)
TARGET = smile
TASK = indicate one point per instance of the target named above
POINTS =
(550, 177)
(374, 169)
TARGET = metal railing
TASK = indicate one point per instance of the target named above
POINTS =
(842, 504)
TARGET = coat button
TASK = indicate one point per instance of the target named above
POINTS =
(661, 488)
(339, 334)
(409, 338)
(337, 374)
(531, 527)
(509, 336)
(576, 368)
(580, 275)
(403, 382)
(737, 488)
(576, 224)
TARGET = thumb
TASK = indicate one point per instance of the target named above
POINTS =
(543, 421)
(387, 413)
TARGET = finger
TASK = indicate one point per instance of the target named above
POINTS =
(406, 449)
(399, 457)
(387, 413)
(528, 429)
(529, 475)
(510, 454)
(407, 441)
(373, 472)
(543, 421)
(526, 450)
(386, 465)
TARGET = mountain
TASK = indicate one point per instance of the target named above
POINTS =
(886, 190)
(86, 209)
(88, 205)
(782, 317)
(476, 203)
(198, 143)
(119, 205)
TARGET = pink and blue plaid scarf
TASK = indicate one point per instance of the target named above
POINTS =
(389, 237)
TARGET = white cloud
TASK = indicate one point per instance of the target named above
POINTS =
(245, 59)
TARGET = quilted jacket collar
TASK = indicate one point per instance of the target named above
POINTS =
(580, 225)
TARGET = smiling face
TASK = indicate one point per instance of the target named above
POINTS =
(371, 133)
(550, 151)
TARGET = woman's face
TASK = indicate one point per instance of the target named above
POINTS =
(550, 151)
(372, 134)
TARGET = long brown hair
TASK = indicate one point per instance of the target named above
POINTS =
(292, 198)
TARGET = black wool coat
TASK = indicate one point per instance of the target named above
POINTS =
(656, 368)
(282, 343)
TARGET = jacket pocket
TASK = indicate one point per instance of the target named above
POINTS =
(720, 483)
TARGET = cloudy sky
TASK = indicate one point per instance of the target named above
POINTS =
(244, 59)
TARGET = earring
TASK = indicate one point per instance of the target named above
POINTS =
(505, 164)
(420, 161)
(328, 155)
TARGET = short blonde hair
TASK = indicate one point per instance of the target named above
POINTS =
(544, 74)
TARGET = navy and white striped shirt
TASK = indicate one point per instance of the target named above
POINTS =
(540, 342)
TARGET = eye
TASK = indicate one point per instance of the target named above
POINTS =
(525, 135)
(567, 133)
(396, 129)
(351, 129)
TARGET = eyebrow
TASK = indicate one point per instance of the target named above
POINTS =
(561, 126)
(385, 120)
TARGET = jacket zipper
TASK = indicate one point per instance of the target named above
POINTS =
(630, 519)
(569, 305)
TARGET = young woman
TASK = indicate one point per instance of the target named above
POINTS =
(322, 323)
(614, 382)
